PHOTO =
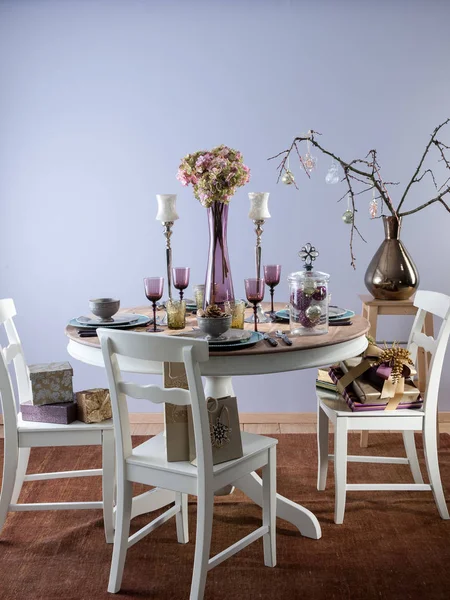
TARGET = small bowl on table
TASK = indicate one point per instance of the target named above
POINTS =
(214, 327)
(104, 308)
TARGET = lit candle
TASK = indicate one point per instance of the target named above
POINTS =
(167, 211)
(259, 209)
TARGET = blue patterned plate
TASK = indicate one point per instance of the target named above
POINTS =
(254, 339)
(348, 314)
(141, 320)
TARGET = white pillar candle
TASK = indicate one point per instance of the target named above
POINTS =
(166, 208)
(259, 209)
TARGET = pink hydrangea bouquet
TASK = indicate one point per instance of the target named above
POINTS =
(215, 174)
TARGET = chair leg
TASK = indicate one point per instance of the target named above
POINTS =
(269, 478)
(181, 500)
(22, 465)
(108, 484)
(123, 517)
(411, 453)
(9, 476)
(340, 468)
(205, 505)
(432, 462)
(322, 448)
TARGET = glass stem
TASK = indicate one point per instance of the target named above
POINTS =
(181, 294)
(255, 313)
(154, 315)
(271, 298)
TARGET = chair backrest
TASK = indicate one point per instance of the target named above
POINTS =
(159, 348)
(439, 305)
(13, 352)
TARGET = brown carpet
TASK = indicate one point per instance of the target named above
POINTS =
(391, 545)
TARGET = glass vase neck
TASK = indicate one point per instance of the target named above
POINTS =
(392, 227)
(218, 283)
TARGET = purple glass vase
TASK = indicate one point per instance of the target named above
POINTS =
(218, 282)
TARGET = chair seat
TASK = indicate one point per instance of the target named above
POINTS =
(336, 403)
(28, 426)
(152, 453)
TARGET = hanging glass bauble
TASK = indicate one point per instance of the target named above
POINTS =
(309, 162)
(347, 217)
(288, 178)
(332, 176)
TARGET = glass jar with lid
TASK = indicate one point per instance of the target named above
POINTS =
(308, 297)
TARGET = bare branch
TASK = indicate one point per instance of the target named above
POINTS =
(432, 201)
(417, 171)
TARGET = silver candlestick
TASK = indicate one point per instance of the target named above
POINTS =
(258, 230)
(167, 234)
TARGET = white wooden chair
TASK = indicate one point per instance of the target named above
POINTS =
(21, 436)
(147, 463)
(333, 407)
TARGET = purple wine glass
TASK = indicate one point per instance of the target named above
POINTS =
(180, 278)
(154, 287)
(254, 289)
(272, 277)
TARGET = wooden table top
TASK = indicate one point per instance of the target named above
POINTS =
(335, 335)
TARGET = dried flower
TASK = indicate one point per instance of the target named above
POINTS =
(215, 174)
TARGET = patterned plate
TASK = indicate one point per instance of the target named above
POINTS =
(141, 320)
(232, 336)
(117, 320)
(348, 314)
(254, 339)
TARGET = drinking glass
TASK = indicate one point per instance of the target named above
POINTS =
(237, 311)
(199, 294)
(254, 289)
(154, 290)
(272, 277)
(180, 278)
(176, 314)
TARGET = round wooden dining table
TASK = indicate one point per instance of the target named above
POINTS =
(340, 343)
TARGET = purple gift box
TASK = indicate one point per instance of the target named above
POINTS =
(61, 413)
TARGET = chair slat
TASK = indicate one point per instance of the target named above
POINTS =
(155, 394)
(426, 342)
(10, 352)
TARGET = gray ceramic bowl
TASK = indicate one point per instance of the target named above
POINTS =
(214, 326)
(104, 308)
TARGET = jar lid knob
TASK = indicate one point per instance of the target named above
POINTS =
(308, 254)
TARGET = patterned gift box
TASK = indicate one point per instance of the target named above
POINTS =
(370, 396)
(94, 406)
(61, 413)
(51, 383)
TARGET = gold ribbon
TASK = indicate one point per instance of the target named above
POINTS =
(393, 389)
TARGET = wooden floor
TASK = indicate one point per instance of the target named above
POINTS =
(303, 424)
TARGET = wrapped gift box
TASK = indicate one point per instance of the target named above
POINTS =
(94, 406)
(62, 413)
(51, 383)
(363, 396)
(176, 417)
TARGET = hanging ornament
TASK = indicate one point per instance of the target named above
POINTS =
(373, 206)
(347, 217)
(332, 176)
(288, 177)
(309, 161)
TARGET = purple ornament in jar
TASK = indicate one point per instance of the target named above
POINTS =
(308, 293)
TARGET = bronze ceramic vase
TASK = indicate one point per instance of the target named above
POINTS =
(392, 274)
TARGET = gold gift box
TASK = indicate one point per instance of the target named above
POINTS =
(368, 393)
(93, 406)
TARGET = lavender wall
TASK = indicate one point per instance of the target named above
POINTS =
(100, 99)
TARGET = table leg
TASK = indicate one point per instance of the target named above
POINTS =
(251, 484)
(301, 517)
